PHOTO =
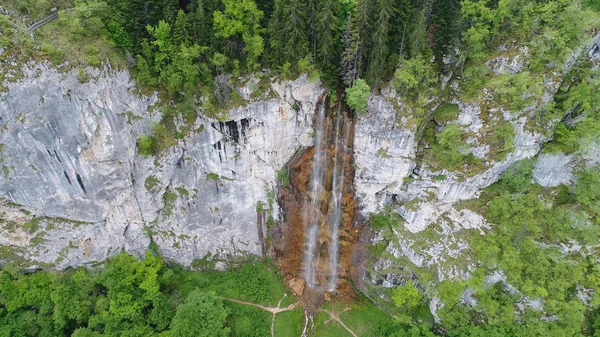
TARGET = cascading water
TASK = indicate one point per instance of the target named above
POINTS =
(322, 216)
(312, 209)
(335, 203)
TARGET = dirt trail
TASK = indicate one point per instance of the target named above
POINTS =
(275, 310)
(272, 310)
(335, 316)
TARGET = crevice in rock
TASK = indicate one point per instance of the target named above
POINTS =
(67, 176)
(181, 159)
(80, 181)
(57, 156)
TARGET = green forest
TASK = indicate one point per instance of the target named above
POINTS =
(193, 50)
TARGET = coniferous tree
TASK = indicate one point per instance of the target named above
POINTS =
(400, 29)
(355, 38)
(444, 26)
(326, 31)
(181, 29)
(376, 72)
(198, 21)
(311, 23)
(288, 31)
(418, 35)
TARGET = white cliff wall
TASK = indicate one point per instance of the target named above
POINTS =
(75, 191)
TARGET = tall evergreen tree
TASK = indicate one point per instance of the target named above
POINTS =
(418, 35)
(199, 22)
(399, 30)
(181, 30)
(378, 56)
(288, 28)
(444, 26)
(355, 38)
(326, 31)
(311, 23)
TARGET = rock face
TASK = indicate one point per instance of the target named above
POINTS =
(75, 191)
(553, 170)
(392, 174)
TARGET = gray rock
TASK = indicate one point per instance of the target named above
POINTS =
(69, 157)
(384, 154)
(553, 169)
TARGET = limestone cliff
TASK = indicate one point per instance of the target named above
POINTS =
(391, 172)
(74, 189)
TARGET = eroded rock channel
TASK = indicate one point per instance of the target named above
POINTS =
(318, 231)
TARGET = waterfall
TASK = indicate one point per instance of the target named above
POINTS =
(322, 215)
(311, 210)
(335, 203)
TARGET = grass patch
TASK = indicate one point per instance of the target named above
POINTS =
(289, 323)
(365, 319)
(32, 225)
(248, 321)
(212, 176)
(330, 329)
(151, 183)
(169, 201)
(446, 113)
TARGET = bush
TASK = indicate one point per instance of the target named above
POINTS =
(283, 177)
(357, 96)
(448, 151)
(146, 145)
(518, 176)
(414, 76)
(446, 113)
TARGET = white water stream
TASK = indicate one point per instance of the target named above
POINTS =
(313, 202)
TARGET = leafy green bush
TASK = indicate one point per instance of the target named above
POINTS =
(146, 145)
(414, 76)
(283, 177)
(202, 314)
(518, 176)
(358, 95)
(449, 150)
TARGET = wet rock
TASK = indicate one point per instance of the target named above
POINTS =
(297, 285)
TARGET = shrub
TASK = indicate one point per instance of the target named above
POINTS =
(357, 96)
(146, 145)
(446, 113)
(283, 177)
(518, 176)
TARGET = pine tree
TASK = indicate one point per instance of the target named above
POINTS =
(181, 29)
(288, 31)
(198, 21)
(445, 26)
(380, 49)
(355, 38)
(418, 35)
(326, 31)
(400, 29)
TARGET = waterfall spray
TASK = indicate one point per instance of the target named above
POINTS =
(311, 218)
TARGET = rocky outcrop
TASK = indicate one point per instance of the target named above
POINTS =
(553, 170)
(75, 189)
(384, 153)
(392, 175)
